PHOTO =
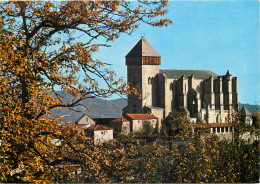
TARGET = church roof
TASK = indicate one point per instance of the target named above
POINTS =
(245, 111)
(143, 48)
(198, 74)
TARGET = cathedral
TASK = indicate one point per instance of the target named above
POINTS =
(205, 96)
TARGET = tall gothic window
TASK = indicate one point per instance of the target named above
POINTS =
(217, 119)
(171, 86)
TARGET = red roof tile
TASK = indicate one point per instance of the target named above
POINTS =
(201, 125)
(141, 116)
(77, 126)
(221, 124)
(98, 127)
(121, 119)
(210, 125)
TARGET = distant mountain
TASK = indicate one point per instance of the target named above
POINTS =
(100, 108)
(249, 107)
(96, 108)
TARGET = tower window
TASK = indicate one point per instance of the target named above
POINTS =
(171, 86)
(150, 80)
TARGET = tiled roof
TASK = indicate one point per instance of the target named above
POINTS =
(220, 124)
(141, 116)
(201, 125)
(98, 127)
(121, 119)
(211, 125)
(198, 74)
(79, 126)
(143, 48)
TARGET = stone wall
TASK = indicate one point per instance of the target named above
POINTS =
(101, 136)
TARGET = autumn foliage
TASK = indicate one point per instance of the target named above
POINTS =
(45, 47)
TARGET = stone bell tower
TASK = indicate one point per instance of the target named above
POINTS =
(142, 69)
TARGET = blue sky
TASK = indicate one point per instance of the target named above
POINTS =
(206, 35)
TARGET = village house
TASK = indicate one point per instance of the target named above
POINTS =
(133, 122)
(137, 120)
(99, 133)
(121, 125)
(86, 120)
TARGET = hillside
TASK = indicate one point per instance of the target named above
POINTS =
(96, 108)
(249, 107)
(100, 108)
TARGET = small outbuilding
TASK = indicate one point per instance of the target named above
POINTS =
(99, 133)
(121, 125)
(137, 120)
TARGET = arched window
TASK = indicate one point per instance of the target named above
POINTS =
(217, 119)
(149, 80)
(171, 86)
(193, 102)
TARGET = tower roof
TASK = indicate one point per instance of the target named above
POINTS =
(143, 48)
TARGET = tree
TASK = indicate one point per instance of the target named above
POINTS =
(178, 125)
(203, 157)
(45, 47)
